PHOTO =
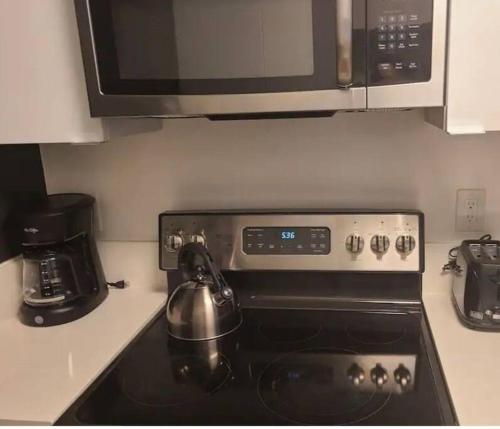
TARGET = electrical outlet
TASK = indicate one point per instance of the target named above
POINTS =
(470, 210)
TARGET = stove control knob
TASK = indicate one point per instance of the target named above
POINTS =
(402, 376)
(174, 242)
(355, 374)
(199, 238)
(380, 244)
(355, 244)
(405, 244)
(379, 376)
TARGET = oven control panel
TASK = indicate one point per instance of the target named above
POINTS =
(308, 241)
(399, 41)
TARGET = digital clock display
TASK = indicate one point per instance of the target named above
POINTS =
(288, 235)
(286, 240)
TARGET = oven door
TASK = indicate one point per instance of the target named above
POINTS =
(219, 57)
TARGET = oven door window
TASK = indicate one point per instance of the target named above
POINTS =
(178, 47)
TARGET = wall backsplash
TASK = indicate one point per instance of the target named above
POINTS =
(379, 160)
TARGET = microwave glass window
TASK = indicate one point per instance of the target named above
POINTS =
(183, 47)
(213, 39)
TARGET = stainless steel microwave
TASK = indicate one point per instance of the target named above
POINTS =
(237, 57)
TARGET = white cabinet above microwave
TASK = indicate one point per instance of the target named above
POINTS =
(218, 57)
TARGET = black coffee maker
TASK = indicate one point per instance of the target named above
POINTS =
(63, 278)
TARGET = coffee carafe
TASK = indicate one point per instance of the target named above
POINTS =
(62, 274)
(203, 307)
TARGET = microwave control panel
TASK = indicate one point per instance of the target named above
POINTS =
(399, 41)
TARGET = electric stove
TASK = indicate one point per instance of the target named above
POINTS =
(334, 332)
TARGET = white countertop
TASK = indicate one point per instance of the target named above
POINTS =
(45, 369)
(470, 359)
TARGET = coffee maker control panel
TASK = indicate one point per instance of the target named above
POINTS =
(324, 241)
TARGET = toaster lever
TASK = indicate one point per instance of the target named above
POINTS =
(491, 251)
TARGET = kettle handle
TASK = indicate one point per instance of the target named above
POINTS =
(188, 266)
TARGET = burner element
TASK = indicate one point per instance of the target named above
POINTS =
(188, 380)
(362, 332)
(316, 386)
(289, 333)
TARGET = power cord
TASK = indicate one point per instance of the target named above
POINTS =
(118, 285)
(452, 265)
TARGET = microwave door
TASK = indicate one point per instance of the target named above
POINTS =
(406, 53)
(219, 57)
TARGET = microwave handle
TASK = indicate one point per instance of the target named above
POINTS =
(344, 43)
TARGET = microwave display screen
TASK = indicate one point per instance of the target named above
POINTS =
(213, 39)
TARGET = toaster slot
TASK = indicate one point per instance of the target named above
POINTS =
(490, 251)
(475, 250)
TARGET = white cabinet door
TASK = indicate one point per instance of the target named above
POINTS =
(473, 81)
(43, 97)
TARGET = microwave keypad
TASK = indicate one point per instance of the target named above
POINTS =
(400, 41)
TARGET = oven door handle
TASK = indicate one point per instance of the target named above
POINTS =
(344, 43)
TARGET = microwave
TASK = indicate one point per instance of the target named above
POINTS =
(182, 58)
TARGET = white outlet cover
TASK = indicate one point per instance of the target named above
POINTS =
(471, 210)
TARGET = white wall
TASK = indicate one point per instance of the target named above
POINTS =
(380, 160)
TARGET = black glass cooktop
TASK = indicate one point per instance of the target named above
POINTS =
(281, 367)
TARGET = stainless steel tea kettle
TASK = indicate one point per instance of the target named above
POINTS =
(204, 307)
